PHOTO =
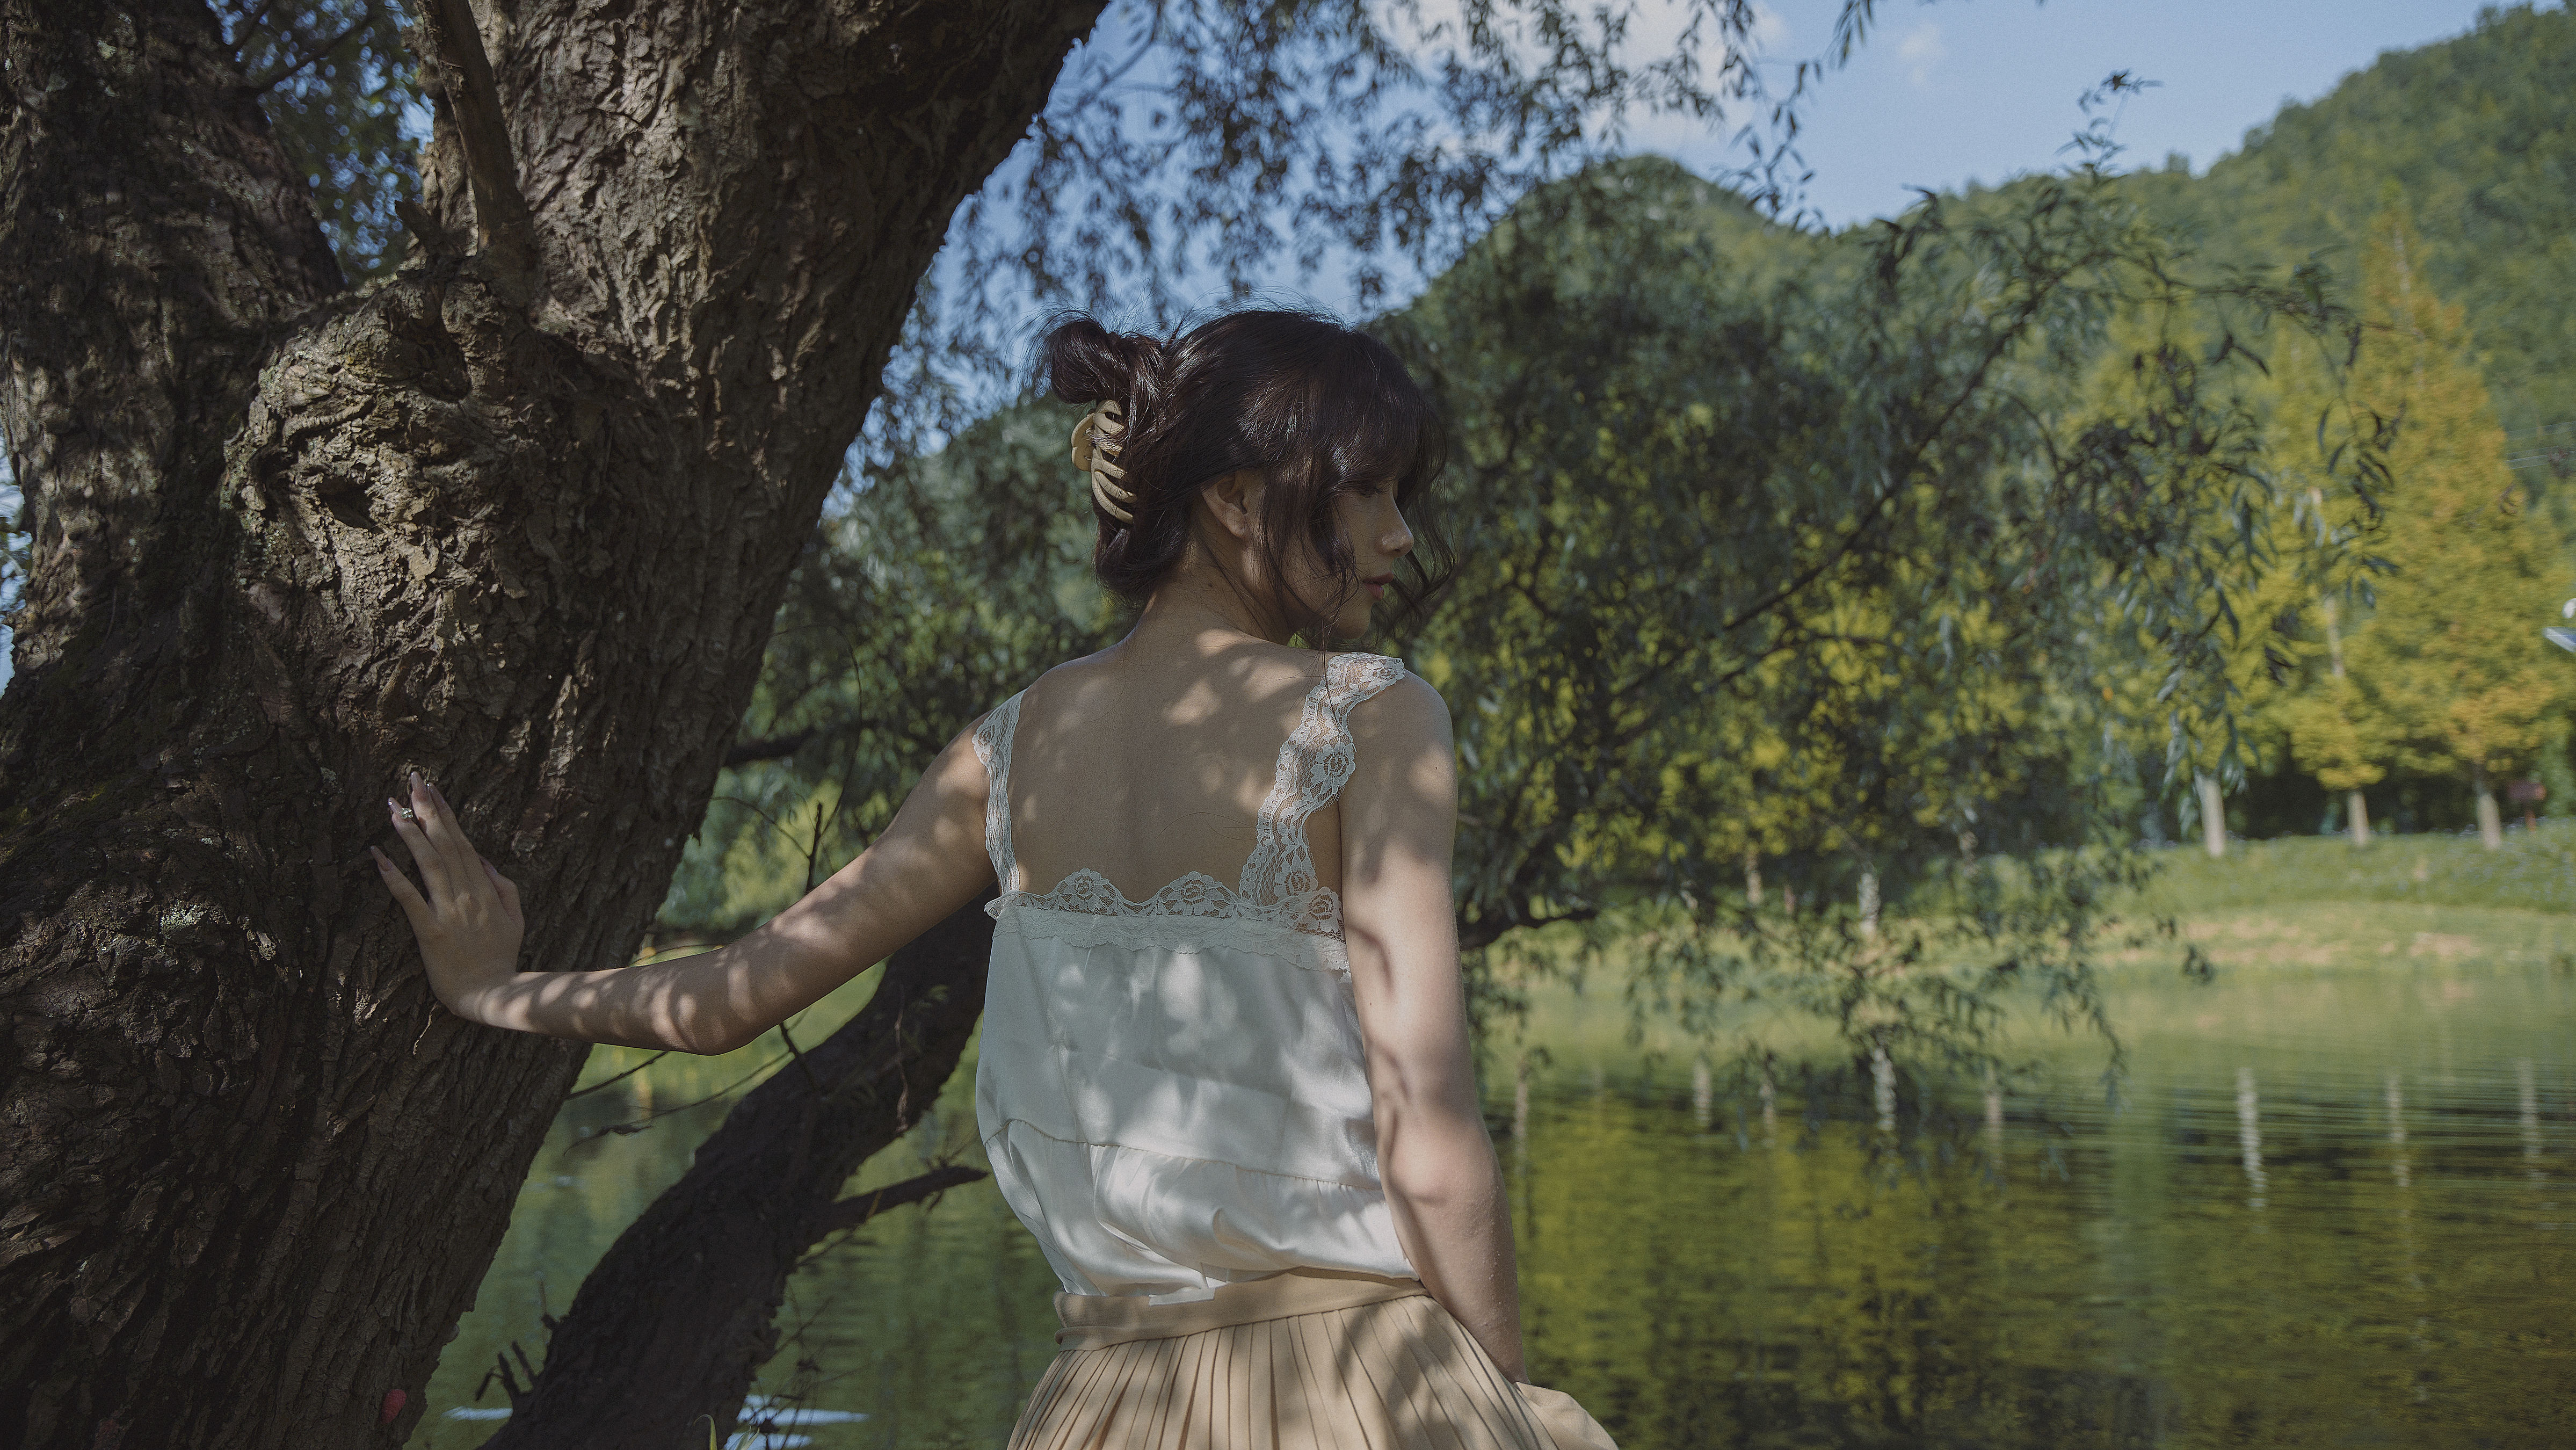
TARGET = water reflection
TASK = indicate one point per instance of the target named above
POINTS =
(2249, 1136)
(2323, 1216)
(2526, 1086)
(2226, 1261)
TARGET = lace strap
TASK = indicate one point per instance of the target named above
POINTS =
(1314, 763)
(993, 747)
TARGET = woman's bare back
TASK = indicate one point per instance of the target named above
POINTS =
(1146, 766)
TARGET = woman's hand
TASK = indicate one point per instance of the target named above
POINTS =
(928, 863)
(468, 924)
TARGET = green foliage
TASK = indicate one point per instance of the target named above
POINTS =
(1821, 558)
(1775, 544)
(941, 586)
(335, 80)
(1868, 557)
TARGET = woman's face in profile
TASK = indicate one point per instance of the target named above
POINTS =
(1378, 536)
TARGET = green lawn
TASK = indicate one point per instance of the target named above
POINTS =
(2318, 902)
(2536, 871)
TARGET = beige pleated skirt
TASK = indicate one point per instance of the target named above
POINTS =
(1306, 1360)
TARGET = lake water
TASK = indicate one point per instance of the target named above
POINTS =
(2335, 1207)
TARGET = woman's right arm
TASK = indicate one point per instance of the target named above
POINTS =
(1399, 828)
(929, 862)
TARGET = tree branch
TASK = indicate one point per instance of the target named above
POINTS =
(776, 747)
(849, 1213)
(503, 231)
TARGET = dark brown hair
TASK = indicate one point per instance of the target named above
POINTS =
(1318, 408)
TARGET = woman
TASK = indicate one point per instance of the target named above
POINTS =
(1240, 1118)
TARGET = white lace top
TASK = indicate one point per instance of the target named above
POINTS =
(1171, 1090)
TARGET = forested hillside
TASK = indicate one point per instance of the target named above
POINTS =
(2476, 136)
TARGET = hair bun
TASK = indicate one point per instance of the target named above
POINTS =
(1084, 362)
(1315, 407)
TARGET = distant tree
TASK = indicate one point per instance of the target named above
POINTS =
(2215, 736)
(2337, 731)
(2339, 735)
(2450, 656)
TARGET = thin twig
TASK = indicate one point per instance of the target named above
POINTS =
(849, 1213)
(621, 1077)
(279, 73)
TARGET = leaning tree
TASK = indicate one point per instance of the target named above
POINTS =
(518, 516)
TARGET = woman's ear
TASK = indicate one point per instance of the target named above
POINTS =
(1233, 500)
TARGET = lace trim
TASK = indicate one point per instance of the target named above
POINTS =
(1110, 919)
(1278, 890)
(993, 747)
(1314, 764)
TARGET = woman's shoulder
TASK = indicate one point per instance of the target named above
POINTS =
(1401, 705)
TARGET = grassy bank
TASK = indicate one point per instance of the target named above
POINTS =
(2536, 871)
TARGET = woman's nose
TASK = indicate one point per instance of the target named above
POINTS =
(1399, 541)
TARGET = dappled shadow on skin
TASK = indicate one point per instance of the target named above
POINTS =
(1145, 771)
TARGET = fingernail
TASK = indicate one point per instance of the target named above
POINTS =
(390, 806)
(415, 780)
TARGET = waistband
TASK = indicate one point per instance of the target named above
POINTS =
(1095, 1321)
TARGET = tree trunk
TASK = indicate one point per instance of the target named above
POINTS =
(2213, 815)
(680, 1314)
(1752, 878)
(1869, 902)
(2490, 820)
(525, 533)
(2357, 817)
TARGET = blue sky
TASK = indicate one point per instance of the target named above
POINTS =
(1979, 90)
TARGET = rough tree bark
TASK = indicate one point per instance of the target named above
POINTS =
(681, 1312)
(523, 533)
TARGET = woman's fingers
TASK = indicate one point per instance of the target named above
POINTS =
(438, 823)
(436, 820)
(404, 892)
(448, 862)
(509, 892)
(456, 875)
(434, 873)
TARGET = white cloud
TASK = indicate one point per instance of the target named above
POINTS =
(1921, 50)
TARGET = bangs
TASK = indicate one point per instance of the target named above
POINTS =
(1385, 435)
(1361, 420)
